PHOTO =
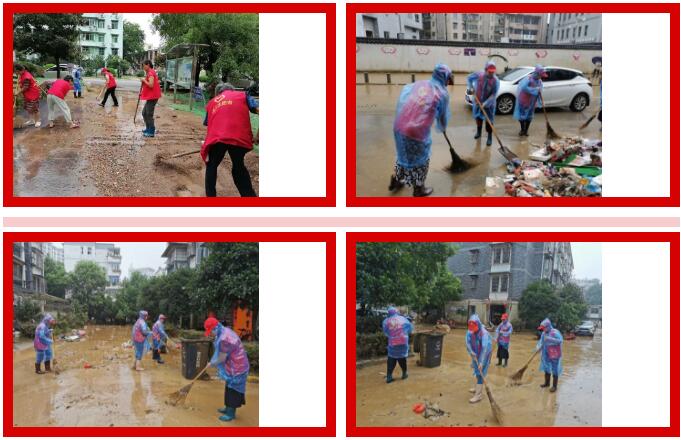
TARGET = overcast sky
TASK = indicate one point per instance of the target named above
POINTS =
(152, 40)
(587, 260)
(139, 255)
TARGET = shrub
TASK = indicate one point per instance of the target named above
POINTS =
(27, 310)
(252, 350)
(371, 345)
(369, 324)
(139, 73)
(203, 78)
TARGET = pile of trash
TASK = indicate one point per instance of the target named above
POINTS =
(570, 167)
(429, 410)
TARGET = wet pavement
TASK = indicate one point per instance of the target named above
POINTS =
(375, 112)
(576, 403)
(111, 393)
(108, 156)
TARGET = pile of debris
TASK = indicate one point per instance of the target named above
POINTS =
(570, 167)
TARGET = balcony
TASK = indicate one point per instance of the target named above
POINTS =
(498, 296)
(500, 267)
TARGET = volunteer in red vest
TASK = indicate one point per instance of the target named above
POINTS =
(150, 92)
(29, 88)
(56, 105)
(110, 87)
(229, 131)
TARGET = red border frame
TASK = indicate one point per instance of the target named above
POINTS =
(329, 238)
(353, 431)
(351, 183)
(9, 199)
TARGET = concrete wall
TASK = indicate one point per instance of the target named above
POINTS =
(393, 57)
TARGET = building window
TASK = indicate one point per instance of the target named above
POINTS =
(475, 256)
(455, 25)
(574, 32)
(101, 51)
(400, 36)
(18, 271)
(579, 32)
(114, 38)
(82, 250)
(501, 254)
(455, 35)
(474, 282)
(114, 24)
(499, 283)
(386, 34)
(370, 34)
(89, 251)
(586, 29)
(417, 18)
(114, 51)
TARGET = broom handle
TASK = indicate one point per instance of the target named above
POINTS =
(543, 107)
(201, 373)
(494, 130)
(532, 357)
(190, 152)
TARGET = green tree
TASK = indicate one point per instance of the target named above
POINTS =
(594, 294)
(231, 39)
(53, 36)
(133, 42)
(26, 311)
(572, 294)
(87, 283)
(539, 301)
(56, 278)
(132, 288)
(446, 287)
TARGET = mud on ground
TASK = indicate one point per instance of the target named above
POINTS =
(576, 403)
(108, 156)
(111, 393)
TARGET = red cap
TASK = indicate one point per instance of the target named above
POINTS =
(541, 327)
(210, 324)
(473, 326)
(491, 68)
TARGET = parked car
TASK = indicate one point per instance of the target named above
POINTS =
(563, 87)
(586, 328)
(63, 71)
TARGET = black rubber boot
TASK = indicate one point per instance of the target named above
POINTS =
(555, 384)
(37, 369)
(499, 362)
(505, 363)
(404, 375)
(389, 378)
(522, 128)
(527, 128)
(48, 367)
(478, 133)
(394, 184)
(489, 138)
(422, 191)
(547, 380)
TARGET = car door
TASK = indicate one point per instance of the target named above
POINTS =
(553, 86)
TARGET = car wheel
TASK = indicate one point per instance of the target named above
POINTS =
(579, 102)
(505, 104)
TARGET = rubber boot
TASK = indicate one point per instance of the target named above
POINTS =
(505, 363)
(37, 369)
(527, 128)
(422, 191)
(499, 362)
(230, 414)
(389, 378)
(138, 366)
(489, 138)
(395, 184)
(522, 128)
(478, 133)
(223, 410)
(547, 380)
(477, 397)
(404, 375)
(159, 360)
(48, 367)
(555, 384)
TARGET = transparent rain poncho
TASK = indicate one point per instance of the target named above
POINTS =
(42, 342)
(486, 88)
(503, 334)
(158, 333)
(479, 346)
(528, 95)
(397, 328)
(551, 346)
(230, 358)
(140, 334)
(420, 104)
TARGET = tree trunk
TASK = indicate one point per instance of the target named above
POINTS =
(58, 69)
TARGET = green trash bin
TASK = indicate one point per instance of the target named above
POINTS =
(430, 349)
(196, 354)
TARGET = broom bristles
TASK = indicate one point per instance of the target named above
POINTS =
(496, 409)
(550, 132)
(519, 374)
(180, 395)
(588, 121)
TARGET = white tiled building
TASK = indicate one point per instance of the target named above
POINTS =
(400, 26)
(106, 255)
(102, 35)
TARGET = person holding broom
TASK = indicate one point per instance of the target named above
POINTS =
(229, 132)
(31, 94)
(140, 333)
(419, 105)
(397, 328)
(479, 347)
(551, 346)
(56, 101)
(503, 338)
(485, 85)
(42, 343)
(77, 86)
(158, 337)
(110, 85)
(528, 98)
(150, 91)
(231, 361)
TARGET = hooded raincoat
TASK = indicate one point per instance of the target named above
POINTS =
(158, 334)
(397, 328)
(42, 342)
(77, 75)
(551, 346)
(503, 334)
(528, 95)
(479, 346)
(140, 334)
(486, 89)
(420, 104)
(234, 369)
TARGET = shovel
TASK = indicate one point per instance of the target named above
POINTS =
(550, 132)
(180, 395)
(496, 409)
(508, 154)
(517, 377)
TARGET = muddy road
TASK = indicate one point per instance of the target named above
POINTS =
(111, 393)
(576, 403)
(375, 113)
(108, 156)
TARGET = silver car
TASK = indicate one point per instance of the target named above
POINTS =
(563, 87)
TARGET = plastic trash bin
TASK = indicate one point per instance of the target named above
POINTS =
(430, 349)
(417, 341)
(195, 355)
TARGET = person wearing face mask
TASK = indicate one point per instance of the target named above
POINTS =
(529, 90)
(42, 343)
(551, 346)
(485, 85)
(479, 347)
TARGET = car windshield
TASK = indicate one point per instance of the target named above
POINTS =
(514, 74)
